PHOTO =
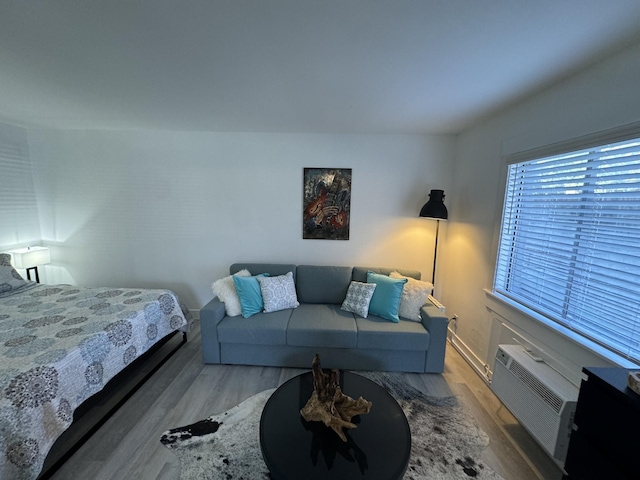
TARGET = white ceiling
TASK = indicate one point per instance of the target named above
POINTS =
(356, 66)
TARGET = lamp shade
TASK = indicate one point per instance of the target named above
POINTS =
(31, 257)
(435, 208)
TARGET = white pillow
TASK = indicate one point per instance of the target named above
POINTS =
(358, 298)
(414, 295)
(226, 291)
(278, 293)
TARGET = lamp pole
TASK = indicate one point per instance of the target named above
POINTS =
(435, 253)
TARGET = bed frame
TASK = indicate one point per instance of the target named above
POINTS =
(96, 410)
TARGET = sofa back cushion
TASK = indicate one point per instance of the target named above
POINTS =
(322, 284)
(360, 273)
(273, 269)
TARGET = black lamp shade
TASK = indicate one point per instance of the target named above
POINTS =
(435, 208)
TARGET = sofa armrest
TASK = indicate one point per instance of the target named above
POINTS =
(210, 316)
(436, 324)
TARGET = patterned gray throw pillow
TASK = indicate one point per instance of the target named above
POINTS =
(278, 293)
(358, 298)
(10, 279)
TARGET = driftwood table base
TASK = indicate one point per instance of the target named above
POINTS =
(329, 405)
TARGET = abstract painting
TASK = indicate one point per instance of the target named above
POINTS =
(326, 203)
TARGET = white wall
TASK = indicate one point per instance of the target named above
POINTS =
(174, 209)
(599, 98)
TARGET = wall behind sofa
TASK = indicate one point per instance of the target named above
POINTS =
(174, 209)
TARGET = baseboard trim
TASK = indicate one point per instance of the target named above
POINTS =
(481, 368)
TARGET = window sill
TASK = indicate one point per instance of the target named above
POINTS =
(572, 336)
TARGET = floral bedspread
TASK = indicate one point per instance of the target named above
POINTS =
(61, 344)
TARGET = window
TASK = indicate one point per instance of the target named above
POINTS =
(569, 244)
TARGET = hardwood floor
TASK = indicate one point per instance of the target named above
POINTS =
(185, 390)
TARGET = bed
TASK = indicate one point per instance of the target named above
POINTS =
(60, 345)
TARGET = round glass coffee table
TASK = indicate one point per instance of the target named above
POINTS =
(294, 449)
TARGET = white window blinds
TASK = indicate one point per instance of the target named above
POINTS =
(570, 242)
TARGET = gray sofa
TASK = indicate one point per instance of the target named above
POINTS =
(290, 338)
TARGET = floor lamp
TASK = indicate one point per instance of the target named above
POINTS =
(435, 209)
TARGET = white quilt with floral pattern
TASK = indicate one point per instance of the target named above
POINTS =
(58, 346)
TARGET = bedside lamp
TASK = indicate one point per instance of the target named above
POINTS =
(435, 209)
(30, 258)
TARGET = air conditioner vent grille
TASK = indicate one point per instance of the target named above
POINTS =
(546, 394)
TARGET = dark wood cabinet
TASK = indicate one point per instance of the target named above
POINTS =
(605, 440)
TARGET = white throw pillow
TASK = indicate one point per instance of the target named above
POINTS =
(278, 293)
(414, 295)
(358, 298)
(226, 291)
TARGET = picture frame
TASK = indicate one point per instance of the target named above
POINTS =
(326, 203)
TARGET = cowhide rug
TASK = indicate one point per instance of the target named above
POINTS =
(446, 443)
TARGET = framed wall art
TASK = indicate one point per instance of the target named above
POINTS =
(326, 203)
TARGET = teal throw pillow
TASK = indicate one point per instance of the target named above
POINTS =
(249, 294)
(386, 297)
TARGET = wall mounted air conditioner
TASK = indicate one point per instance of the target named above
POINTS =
(543, 401)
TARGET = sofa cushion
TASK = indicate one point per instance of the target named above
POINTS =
(360, 273)
(259, 329)
(273, 269)
(278, 293)
(377, 333)
(322, 284)
(387, 295)
(321, 325)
